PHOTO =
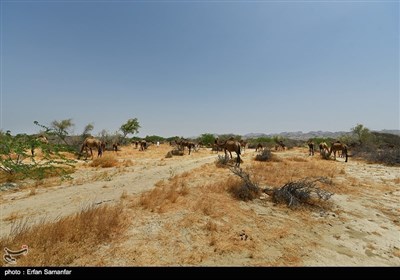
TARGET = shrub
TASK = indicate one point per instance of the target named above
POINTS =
(265, 155)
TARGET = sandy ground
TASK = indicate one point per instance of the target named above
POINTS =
(361, 229)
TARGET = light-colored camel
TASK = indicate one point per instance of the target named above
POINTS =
(230, 146)
(243, 144)
(323, 148)
(338, 146)
(91, 143)
(41, 139)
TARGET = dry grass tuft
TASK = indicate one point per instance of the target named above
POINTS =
(108, 160)
(60, 243)
(164, 193)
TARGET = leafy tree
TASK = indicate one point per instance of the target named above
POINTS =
(86, 131)
(130, 127)
(16, 150)
(154, 138)
(58, 128)
(362, 133)
(206, 139)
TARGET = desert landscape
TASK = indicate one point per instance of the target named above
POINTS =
(182, 211)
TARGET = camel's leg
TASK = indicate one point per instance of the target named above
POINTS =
(238, 160)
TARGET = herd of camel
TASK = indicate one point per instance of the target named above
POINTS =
(231, 145)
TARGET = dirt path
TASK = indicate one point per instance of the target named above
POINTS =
(54, 202)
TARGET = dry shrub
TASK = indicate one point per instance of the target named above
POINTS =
(265, 155)
(246, 189)
(177, 152)
(169, 155)
(301, 192)
(242, 192)
(108, 160)
(226, 161)
(59, 243)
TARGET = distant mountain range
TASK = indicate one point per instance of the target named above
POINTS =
(299, 135)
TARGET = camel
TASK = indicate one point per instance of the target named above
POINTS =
(338, 146)
(243, 144)
(91, 143)
(115, 145)
(41, 139)
(280, 146)
(259, 147)
(230, 145)
(182, 143)
(143, 145)
(323, 148)
(310, 148)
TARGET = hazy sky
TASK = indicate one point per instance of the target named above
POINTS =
(190, 67)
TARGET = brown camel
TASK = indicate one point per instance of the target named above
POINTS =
(182, 143)
(230, 145)
(259, 147)
(143, 145)
(115, 145)
(311, 146)
(338, 146)
(91, 143)
(280, 146)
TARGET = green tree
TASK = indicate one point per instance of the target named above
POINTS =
(86, 131)
(60, 128)
(130, 127)
(362, 133)
(15, 149)
(206, 139)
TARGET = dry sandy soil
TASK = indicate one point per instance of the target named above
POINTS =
(194, 221)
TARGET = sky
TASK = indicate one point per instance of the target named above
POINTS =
(185, 68)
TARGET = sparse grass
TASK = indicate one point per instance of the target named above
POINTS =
(102, 176)
(211, 226)
(53, 172)
(124, 194)
(164, 193)
(32, 192)
(60, 243)
(127, 163)
(297, 159)
(12, 217)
